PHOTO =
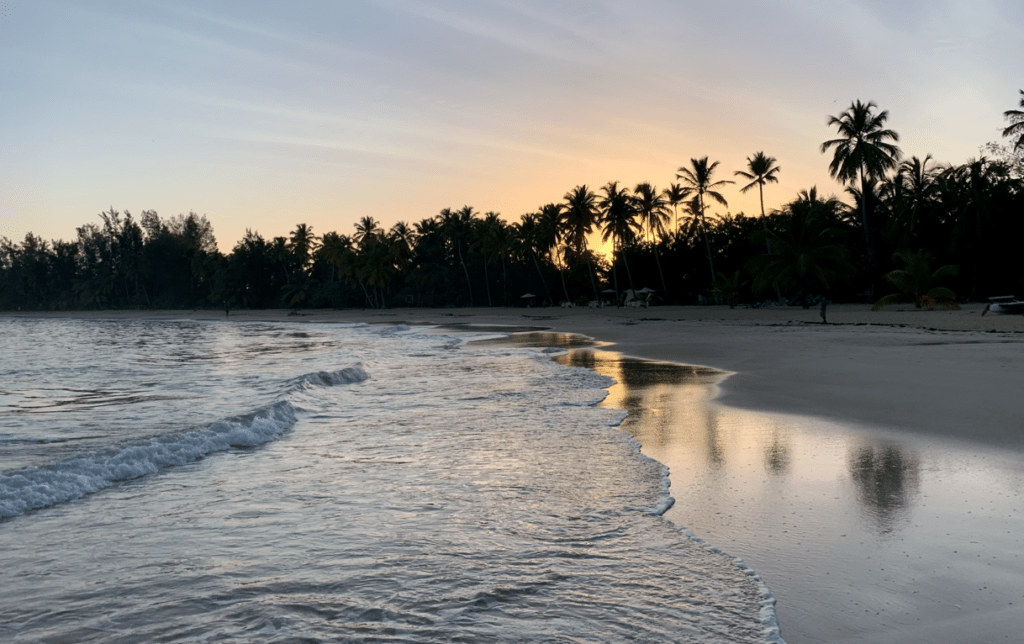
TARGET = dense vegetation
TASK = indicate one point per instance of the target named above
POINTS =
(912, 222)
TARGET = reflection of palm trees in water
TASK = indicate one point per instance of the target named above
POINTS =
(648, 392)
(776, 453)
(886, 481)
(714, 444)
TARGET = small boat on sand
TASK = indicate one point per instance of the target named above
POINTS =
(1004, 304)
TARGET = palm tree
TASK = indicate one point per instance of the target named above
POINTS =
(1016, 126)
(652, 210)
(762, 170)
(973, 192)
(302, 244)
(618, 222)
(698, 179)
(457, 226)
(674, 194)
(366, 227)
(690, 228)
(911, 193)
(915, 281)
(279, 248)
(492, 241)
(551, 231)
(578, 221)
(863, 148)
(528, 235)
(333, 248)
(403, 239)
(810, 249)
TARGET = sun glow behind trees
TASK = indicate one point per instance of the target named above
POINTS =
(260, 113)
(958, 213)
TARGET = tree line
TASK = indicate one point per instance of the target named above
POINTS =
(917, 229)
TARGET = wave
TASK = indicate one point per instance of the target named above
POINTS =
(347, 376)
(73, 478)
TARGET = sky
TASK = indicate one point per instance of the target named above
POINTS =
(262, 115)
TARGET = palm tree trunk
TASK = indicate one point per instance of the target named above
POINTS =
(561, 273)
(366, 293)
(707, 243)
(469, 284)
(541, 273)
(487, 283)
(629, 273)
(867, 233)
(864, 215)
(657, 259)
(593, 282)
(615, 273)
(504, 282)
(760, 189)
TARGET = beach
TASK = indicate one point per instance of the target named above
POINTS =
(930, 395)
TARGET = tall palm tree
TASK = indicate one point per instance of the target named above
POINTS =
(1016, 126)
(528, 235)
(618, 223)
(675, 194)
(279, 248)
(457, 227)
(863, 149)
(332, 249)
(698, 181)
(551, 233)
(302, 244)
(762, 170)
(652, 210)
(578, 220)
(492, 241)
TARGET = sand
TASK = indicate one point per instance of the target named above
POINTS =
(943, 388)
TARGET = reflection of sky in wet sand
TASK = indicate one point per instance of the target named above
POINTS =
(857, 532)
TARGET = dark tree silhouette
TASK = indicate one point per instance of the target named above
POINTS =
(761, 169)
(698, 180)
(863, 149)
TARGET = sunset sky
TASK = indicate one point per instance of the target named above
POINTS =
(262, 115)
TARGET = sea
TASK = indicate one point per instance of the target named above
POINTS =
(187, 481)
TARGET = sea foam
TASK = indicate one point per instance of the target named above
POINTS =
(73, 478)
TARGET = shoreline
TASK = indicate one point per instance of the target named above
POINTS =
(924, 387)
(946, 374)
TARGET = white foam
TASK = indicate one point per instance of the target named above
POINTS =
(346, 376)
(74, 478)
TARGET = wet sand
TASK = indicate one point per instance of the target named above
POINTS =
(871, 470)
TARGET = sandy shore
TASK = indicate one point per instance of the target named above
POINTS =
(940, 389)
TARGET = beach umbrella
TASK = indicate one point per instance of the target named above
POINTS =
(527, 295)
(646, 290)
(609, 290)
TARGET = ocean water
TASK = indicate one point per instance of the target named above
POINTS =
(232, 482)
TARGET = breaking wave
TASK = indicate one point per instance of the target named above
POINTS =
(70, 479)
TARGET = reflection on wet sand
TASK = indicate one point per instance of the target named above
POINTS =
(887, 482)
(528, 339)
(854, 535)
(669, 406)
